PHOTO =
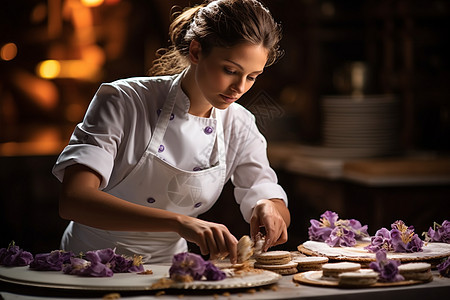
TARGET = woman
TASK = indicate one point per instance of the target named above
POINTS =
(152, 153)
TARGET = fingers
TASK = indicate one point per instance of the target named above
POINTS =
(276, 235)
(266, 215)
(255, 225)
(212, 238)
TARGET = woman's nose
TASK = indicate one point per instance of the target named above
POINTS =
(239, 85)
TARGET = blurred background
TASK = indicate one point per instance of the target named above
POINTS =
(356, 113)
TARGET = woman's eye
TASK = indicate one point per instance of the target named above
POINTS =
(228, 71)
(250, 78)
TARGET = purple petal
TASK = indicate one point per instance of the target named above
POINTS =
(213, 273)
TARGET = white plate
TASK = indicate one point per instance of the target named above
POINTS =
(127, 281)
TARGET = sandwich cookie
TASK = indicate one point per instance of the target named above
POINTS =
(363, 277)
(283, 269)
(416, 271)
(273, 258)
(310, 263)
(334, 269)
(276, 261)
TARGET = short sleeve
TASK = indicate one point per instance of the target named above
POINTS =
(94, 142)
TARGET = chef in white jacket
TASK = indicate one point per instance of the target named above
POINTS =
(152, 153)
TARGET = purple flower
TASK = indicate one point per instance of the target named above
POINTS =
(341, 237)
(76, 267)
(401, 238)
(444, 268)
(317, 232)
(336, 232)
(329, 218)
(381, 241)
(387, 269)
(320, 231)
(13, 256)
(83, 267)
(213, 273)
(103, 263)
(440, 233)
(404, 239)
(52, 261)
(122, 264)
(187, 264)
(103, 256)
(359, 230)
(97, 269)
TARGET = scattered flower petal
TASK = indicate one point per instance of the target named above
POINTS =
(52, 261)
(213, 273)
(14, 256)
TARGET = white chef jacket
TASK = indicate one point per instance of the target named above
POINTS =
(120, 121)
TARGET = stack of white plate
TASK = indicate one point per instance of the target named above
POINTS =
(362, 126)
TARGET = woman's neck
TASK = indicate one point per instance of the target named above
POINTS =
(199, 106)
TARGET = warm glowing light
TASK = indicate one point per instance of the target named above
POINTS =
(8, 51)
(49, 69)
(77, 69)
(92, 3)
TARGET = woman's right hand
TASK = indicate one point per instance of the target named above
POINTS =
(212, 238)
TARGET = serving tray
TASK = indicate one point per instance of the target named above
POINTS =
(315, 278)
(128, 281)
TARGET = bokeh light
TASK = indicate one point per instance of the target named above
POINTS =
(8, 51)
(48, 69)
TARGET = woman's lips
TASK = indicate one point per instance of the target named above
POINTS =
(229, 99)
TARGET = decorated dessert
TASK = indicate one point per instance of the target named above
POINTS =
(400, 242)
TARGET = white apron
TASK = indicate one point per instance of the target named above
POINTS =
(155, 183)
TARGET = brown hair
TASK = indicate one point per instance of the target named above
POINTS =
(218, 23)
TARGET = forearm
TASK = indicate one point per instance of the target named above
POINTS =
(82, 201)
(95, 208)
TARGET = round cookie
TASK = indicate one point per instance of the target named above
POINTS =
(310, 263)
(362, 277)
(416, 271)
(273, 258)
(283, 269)
(334, 269)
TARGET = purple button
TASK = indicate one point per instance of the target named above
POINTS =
(161, 148)
(197, 169)
(172, 116)
(197, 205)
(208, 130)
(151, 200)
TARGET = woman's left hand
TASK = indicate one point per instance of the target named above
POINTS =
(274, 216)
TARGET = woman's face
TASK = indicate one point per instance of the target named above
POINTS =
(225, 74)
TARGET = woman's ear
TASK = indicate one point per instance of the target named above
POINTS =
(195, 50)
